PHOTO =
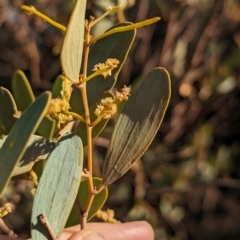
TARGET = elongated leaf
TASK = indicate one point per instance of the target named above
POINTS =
(137, 124)
(8, 111)
(22, 91)
(16, 142)
(82, 196)
(38, 148)
(71, 54)
(114, 46)
(58, 187)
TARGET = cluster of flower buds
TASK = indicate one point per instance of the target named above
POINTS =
(58, 109)
(107, 67)
(108, 106)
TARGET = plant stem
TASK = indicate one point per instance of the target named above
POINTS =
(77, 116)
(86, 210)
(44, 222)
(89, 127)
(83, 90)
(97, 73)
(33, 10)
(97, 121)
(125, 28)
(109, 11)
(99, 189)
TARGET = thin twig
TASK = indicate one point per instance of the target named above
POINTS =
(45, 223)
(33, 10)
(83, 90)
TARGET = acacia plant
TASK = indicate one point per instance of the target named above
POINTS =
(34, 130)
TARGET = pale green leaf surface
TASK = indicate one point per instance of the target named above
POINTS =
(58, 186)
(71, 54)
(15, 145)
(8, 111)
(22, 91)
(82, 196)
(114, 46)
(137, 124)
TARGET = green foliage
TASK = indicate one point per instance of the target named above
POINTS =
(24, 96)
(20, 88)
(58, 87)
(16, 143)
(71, 54)
(137, 124)
(38, 149)
(103, 49)
(57, 190)
(113, 46)
(85, 96)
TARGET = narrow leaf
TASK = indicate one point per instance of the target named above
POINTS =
(16, 142)
(71, 54)
(138, 123)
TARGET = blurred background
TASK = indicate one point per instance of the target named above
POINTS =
(187, 184)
